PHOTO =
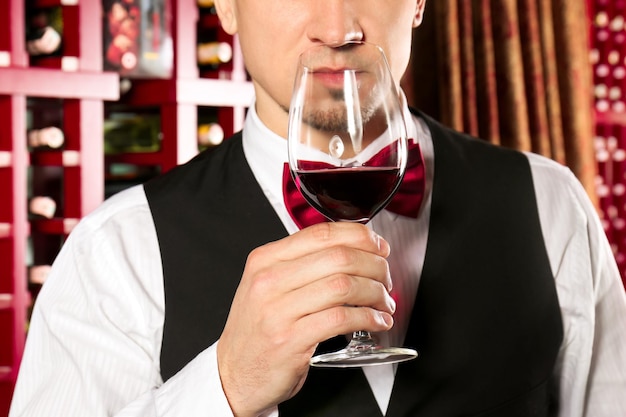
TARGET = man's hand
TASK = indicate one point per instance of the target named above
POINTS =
(295, 293)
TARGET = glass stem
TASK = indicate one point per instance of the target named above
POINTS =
(361, 341)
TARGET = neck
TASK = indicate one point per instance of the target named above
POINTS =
(272, 114)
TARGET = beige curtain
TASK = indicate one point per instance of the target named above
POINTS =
(513, 72)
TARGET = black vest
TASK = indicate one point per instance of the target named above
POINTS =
(486, 320)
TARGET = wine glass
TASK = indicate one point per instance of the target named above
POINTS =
(347, 153)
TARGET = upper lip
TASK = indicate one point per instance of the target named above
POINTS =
(332, 70)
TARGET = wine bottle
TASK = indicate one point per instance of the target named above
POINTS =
(37, 274)
(132, 132)
(45, 41)
(206, 3)
(52, 137)
(45, 32)
(122, 29)
(210, 134)
(42, 206)
(137, 38)
(212, 54)
(207, 6)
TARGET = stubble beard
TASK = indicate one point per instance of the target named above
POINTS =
(334, 119)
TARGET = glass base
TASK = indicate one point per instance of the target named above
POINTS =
(362, 353)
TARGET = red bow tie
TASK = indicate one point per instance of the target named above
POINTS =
(406, 201)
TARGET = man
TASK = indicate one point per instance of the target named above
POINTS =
(185, 297)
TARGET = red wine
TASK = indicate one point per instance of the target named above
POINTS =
(353, 194)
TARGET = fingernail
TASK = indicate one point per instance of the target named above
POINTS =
(388, 319)
(383, 246)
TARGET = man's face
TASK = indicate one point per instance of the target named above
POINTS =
(274, 33)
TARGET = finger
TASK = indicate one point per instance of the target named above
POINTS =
(336, 260)
(329, 323)
(336, 291)
(324, 235)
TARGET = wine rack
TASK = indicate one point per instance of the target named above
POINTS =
(608, 58)
(74, 79)
(74, 174)
(182, 100)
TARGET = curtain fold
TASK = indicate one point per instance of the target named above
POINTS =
(498, 76)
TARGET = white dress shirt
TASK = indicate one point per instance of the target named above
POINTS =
(93, 347)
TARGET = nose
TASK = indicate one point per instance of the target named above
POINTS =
(335, 22)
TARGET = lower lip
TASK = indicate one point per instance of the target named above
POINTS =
(333, 79)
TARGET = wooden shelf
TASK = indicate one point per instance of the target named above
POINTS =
(6, 301)
(56, 158)
(53, 83)
(6, 373)
(56, 226)
(198, 91)
(65, 63)
(136, 158)
(5, 230)
(5, 159)
(54, 3)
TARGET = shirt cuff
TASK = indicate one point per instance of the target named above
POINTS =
(196, 390)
